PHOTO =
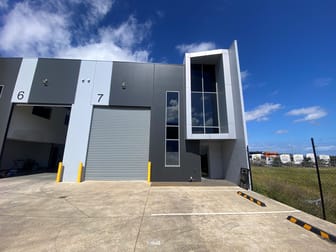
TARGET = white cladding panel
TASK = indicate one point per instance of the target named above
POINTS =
(79, 123)
(102, 83)
(228, 96)
(24, 81)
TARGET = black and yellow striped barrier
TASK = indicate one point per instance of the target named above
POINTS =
(258, 202)
(313, 229)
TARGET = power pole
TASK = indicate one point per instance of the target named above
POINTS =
(318, 178)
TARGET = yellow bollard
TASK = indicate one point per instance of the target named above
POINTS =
(80, 172)
(59, 172)
(149, 170)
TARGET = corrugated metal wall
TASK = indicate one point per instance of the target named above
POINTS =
(118, 145)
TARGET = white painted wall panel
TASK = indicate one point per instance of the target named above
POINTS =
(188, 96)
(102, 83)
(230, 102)
(238, 147)
(24, 81)
(79, 124)
(235, 70)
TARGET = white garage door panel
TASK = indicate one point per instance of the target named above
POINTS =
(119, 144)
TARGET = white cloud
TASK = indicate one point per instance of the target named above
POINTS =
(3, 4)
(32, 32)
(103, 51)
(322, 82)
(100, 7)
(114, 43)
(196, 47)
(326, 148)
(281, 131)
(244, 74)
(95, 10)
(308, 114)
(321, 148)
(53, 29)
(127, 34)
(262, 112)
(172, 111)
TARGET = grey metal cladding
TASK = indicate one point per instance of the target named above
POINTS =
(171, 78)
(9, 69)
(132, 84)
(55, 81)
(118, 145)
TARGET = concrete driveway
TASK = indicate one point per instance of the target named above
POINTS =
(36, 214)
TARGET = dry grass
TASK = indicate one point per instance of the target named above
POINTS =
(298, 187)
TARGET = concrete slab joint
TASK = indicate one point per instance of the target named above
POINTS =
(37, 214)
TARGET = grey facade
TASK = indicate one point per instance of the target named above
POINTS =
(9, 71)
(171, 78)
(54, 81)
(125, 114)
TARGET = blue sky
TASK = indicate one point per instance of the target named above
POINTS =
(287, 51)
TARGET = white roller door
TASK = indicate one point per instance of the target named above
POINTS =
(118, 145)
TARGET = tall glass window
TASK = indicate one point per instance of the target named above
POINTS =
(204, 99)
(172, 127)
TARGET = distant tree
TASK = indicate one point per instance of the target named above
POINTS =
(324, 163)
(333, 161)
(258, 162)
(276, 162)
(307, 162)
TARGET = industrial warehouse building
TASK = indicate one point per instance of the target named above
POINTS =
(114, 117)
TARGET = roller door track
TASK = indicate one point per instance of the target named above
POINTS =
(118, 145)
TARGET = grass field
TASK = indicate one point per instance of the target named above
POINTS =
(298, 187)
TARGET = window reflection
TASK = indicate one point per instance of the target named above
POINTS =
(210, 110)
(204, 99)
(209, 78)
(199, 130)
(172, 108)
(172, 141)
(211, 130)
(197, 109)
(196, 77)
(172, 149)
